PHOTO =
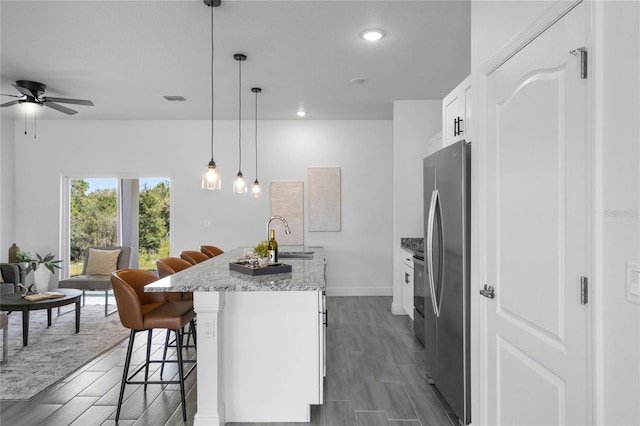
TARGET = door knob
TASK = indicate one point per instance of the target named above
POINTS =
(488, 291)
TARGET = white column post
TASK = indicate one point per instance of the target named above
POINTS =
(209, 305)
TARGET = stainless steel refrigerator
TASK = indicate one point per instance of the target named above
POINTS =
(447, 205)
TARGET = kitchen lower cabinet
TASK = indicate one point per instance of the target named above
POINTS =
(407, 285)
(274, 355)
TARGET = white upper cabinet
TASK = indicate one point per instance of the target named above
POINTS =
(456, 114)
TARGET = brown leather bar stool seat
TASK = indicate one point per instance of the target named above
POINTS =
(140, 311)
(193, 257)
(211, 251)
(168, 266)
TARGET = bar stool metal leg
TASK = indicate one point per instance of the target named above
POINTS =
(146, 367)
(127, 363)
(181, 372)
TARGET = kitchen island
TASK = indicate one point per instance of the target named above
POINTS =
(261, 339)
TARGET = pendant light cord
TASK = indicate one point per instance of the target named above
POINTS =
(212, 99)
(256, 138)
(239, 115)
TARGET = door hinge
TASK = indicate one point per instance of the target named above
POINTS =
(583, 60)
(584, 290)
(488, 291)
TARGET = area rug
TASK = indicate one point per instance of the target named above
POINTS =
(57, 351)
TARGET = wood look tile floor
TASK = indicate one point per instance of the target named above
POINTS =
(374, 378)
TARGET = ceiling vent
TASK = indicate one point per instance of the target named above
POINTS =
(175, 98)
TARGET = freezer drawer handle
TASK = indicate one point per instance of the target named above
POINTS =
(488, 291)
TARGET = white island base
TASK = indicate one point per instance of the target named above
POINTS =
(260, 355)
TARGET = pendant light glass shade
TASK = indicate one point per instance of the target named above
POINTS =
(211, 178)
(256, 190)
(239, 185)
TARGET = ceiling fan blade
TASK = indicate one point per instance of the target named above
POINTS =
(24, 91)
(13, 96)
(60, 108)
(68, 101)
(6, 104)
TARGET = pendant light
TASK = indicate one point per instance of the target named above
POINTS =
(256, 190)
(211, 178)
(239, 185)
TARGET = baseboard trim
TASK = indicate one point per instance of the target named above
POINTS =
(359, 291)
(398, 309)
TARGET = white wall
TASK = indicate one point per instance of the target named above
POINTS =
(359, 257)
(414, 122)
(7, 180)
(615, 66)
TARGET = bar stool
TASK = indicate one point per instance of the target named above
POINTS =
(140, 311)
(211, 251)
(168, 266)
(193, 257)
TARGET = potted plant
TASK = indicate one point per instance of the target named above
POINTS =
(42, 268)
(24, 258)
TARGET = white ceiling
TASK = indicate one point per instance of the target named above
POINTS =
(125, 55)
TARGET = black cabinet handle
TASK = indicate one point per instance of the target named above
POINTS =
(457, 126)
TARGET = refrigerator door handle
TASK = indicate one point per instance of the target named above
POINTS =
(438, 293)
(432, 212)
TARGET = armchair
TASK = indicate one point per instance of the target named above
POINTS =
(96, 274)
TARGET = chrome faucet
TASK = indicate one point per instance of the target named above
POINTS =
(286, 225)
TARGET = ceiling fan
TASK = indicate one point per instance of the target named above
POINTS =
(32, 92)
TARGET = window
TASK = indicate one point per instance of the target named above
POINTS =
(107, 212)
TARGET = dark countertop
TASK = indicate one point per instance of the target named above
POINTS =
(412, 244)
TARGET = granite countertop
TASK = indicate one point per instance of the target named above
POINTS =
(412, 244)
(214, 275)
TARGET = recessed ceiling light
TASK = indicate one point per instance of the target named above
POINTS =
(359, 80)
(301, 113)
(372, 35)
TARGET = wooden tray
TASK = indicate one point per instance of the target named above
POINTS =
(272, 268)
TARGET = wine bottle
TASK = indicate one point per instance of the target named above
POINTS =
(272, 248)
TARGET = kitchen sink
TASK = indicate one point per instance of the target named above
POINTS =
(295, 255)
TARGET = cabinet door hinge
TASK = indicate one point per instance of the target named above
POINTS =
(584, 290)
(583, 60)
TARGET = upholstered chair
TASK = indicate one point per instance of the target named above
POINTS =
(193, 257)
(99, 263)
(146, 311)
(211, 251)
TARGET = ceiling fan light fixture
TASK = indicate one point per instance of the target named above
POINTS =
(30, 107)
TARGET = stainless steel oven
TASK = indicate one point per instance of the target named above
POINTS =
(419, 293)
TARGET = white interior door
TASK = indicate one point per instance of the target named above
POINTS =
(537, 247)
